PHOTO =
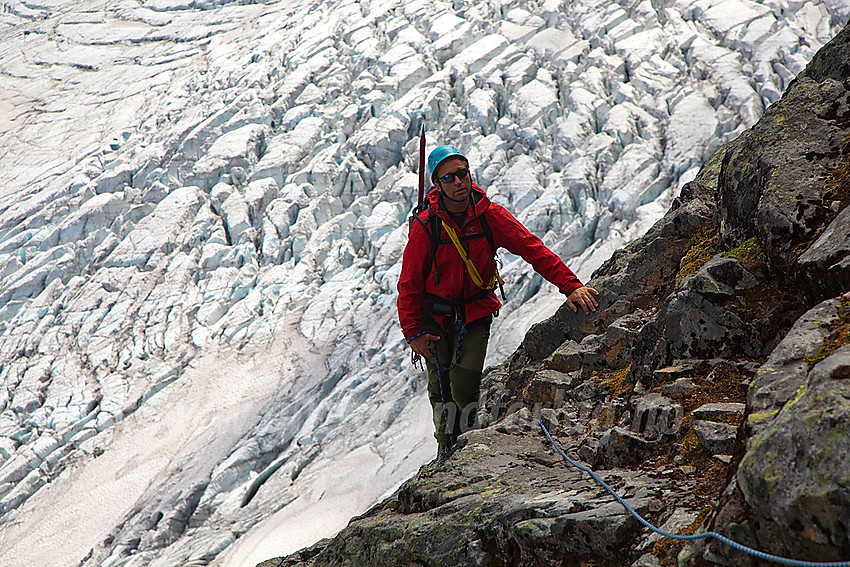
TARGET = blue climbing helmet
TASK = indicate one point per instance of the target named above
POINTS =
(439, 154)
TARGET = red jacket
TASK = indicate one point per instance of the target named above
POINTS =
(455, 282)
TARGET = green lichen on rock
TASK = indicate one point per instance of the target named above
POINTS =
(700, 249)
(755, 418)
(838, 337)
(472, 518)
(534, 528)
(750, 253)
(758, 417)
(619, 386)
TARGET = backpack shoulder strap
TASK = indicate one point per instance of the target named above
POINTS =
(432, 229)
(434, 235)
(488, 232)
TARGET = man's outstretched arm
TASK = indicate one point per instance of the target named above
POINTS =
(517, 239)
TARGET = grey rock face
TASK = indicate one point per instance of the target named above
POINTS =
(633, 278)
(786, 370)
(566, 358)
(790, 492)
(622, 448)
(722, 276)
(550, 385)
(610, 349)
(827, 261)
(793, 476)
(789, 196)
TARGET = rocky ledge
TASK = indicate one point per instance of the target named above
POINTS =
(711, 389)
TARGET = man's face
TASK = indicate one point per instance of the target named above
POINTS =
(457, 189)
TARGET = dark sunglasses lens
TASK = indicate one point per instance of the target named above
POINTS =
(460, 174)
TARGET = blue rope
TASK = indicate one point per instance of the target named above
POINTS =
(726, 540)
(442, 370)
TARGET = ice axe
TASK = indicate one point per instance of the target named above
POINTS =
(421, 165)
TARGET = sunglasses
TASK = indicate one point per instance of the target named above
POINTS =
(449, 177)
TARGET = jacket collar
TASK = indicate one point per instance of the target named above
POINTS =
(480, 202)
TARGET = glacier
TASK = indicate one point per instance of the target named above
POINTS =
(203, 207)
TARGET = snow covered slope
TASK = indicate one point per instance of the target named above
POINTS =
(203, 206)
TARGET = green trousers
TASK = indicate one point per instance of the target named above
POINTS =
(455, 408)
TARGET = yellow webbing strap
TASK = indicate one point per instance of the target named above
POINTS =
(470, 267)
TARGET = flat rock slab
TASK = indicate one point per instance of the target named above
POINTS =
(505, 497)
(719, 410)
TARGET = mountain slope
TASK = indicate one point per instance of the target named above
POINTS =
(711, 390)
(202, 210)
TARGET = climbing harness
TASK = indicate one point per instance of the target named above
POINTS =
(724, 539)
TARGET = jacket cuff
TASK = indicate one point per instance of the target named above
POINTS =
(414, 337)
(571, 287)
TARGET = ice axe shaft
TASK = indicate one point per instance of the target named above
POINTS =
(421, 164)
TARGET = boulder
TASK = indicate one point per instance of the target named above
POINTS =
(633, 278)
(785, 373)
(620, 447)
(680, 387)
(655, 416)
(547, 386)
(828, 259)
(717, 438)
(725, 307)
(566, 358)
(719, 410)
(722, 276)
(609, 350)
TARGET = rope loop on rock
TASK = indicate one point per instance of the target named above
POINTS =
(715, 535)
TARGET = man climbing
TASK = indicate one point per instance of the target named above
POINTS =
(446, 291)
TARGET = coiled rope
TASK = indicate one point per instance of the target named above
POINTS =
(715, 535)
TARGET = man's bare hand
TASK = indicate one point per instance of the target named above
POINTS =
(583, 297)
(420, 345)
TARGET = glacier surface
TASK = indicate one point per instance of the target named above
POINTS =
(203, 206)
